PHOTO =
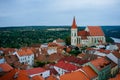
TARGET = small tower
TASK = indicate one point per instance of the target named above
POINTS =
(74, 33)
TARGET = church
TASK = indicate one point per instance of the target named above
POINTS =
(91, 36)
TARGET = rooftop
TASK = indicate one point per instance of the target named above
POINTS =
(35, 70)
(95, 31)
(66, 66)
(5, 67)
(77, 75)
(100, 63)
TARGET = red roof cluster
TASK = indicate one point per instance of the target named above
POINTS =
(5, 67)
(104, 51)
(35, 70)
(66, 66)
(73, 59)
(83, 34)
(24, 51)
(100, 63)
(95, 31)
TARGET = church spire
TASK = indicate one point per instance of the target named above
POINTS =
(74, 26)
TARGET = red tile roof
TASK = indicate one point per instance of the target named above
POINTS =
(15, 75)
(100, 63)
(83, 34)
(74, 26)
(37, 77)
(24, 51)
(104, 51)
(74, 59)
(77, 75)
(35, 70)
(5, 67)
(66, 66)
(116, 53)
(89, 71)
(95, 31)
(51, 77)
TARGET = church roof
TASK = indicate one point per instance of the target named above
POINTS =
(95, 31)
(74, 26)
(83, 34)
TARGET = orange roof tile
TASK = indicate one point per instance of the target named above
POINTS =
(95, 31)
(37, 77)
(104, 51)
(24, 51)
(20, 75)
(83, 34)
(66, 66)
(35, 70)
(89, 71)
(77, 75)
(5, 67)
(100, 63)
(74, 26)
(51, 77)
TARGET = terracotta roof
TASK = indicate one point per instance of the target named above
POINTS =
(100, 63)
(77, 75)
(24, 51)
(74, 26)
(66, 66)
(51, 77)
(116, 53)
(37, 77)
(15, 75)
(11, 59)
(51, 68)
(52, 44)
(83, 34)
(89, 71)
(95, 31)
(35, 70)
(5, 67)
(116, 78)
(104, 51)
(74, 59)
(87, 56)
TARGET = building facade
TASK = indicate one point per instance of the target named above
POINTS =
(92, 35)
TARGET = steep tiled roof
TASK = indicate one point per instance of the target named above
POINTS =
(100, 63)
(77, 75)
(104, 51)
(74, 59)
(83, 34)
(89, 71)
(37, 77)
(15, 75)
(74, 26)
(24, 51)
(95, 31)
(35, 70)
(5, 67)
(66, 66)
(116, 53)
(51, 77)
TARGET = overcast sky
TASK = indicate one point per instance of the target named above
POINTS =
(59, 12)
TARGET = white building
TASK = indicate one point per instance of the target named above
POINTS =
(25, 56)
(92, 35)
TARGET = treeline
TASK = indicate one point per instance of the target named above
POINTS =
(17, 37)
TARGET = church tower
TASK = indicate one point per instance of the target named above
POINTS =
(74, 33)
